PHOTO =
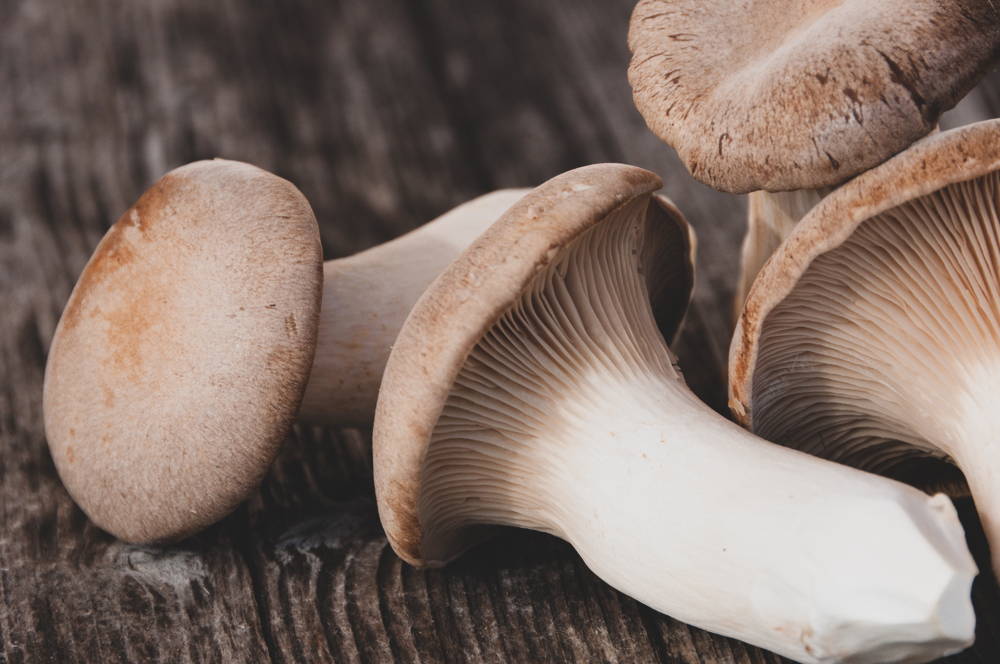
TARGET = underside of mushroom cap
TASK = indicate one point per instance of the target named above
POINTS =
(797, 95)
(178, 364)
(479, 289)
(866, 335)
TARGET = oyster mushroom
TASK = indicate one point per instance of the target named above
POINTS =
(778, 95)
(530, 386)
(184, 351)
(873, 334)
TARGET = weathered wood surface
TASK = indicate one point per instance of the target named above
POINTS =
(385, 113)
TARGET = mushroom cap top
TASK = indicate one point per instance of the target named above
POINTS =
(463, 303)
(935, 162)
(178, 364)
(805, 93)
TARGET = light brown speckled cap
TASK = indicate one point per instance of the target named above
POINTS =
(782, 95)
(181, 357)
(476, 289)
(937, 161)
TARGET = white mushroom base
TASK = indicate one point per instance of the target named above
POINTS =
(722, 531)
(569, 417)
(691, 515)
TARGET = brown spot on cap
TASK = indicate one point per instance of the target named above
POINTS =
(176, 406)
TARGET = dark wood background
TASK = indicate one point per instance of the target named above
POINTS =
(385, 113)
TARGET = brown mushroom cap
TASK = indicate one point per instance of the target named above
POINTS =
(881, 274)
(180, 359)
(797, 95)
(462, 305)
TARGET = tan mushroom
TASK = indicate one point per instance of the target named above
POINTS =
(873, 334)
(800, 95)
(184, 351)
(530, 386)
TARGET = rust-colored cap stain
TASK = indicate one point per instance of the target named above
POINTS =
(182, 354)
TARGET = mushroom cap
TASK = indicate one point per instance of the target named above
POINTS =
(935, 162)
(178, 364)
(461, 305)
(797, 95)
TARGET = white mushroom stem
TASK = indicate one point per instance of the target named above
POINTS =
(569, 417)
(771, 216)
(366, 298)
(985, 486)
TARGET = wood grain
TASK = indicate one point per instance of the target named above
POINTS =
(385, 113)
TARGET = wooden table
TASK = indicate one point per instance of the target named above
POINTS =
(385, 113)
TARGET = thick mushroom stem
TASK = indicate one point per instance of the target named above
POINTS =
(697, 518)
(969, 433)
(771, 216)
(366, 298)
(569, 417)
(807, 562)
(984, 485)
(811, 562)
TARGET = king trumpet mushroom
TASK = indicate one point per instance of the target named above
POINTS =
(787, 99)
(873, 334)
(530, 386)
(184, 351)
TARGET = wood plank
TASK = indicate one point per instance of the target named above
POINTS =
(385, 114)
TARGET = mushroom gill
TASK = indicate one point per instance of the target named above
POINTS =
(890, 343)
(578, 348)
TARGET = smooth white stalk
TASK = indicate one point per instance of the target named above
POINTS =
(967, 429)
(725, 531)
(981, 473)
